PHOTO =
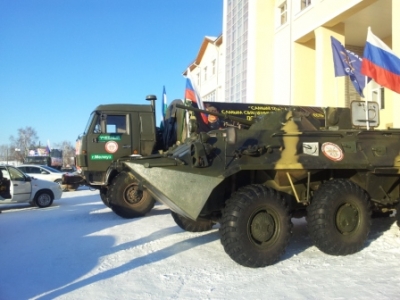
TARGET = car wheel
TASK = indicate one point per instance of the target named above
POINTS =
(44, 199)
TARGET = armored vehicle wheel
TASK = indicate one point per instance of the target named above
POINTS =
(187, 224)
(126, 200)
(339, 217)
(398, 214)
(255, 226)
(103, 197)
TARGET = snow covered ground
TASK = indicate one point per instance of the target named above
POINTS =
(79, 249)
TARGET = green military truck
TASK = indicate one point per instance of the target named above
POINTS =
(122, 130)
(253, 181)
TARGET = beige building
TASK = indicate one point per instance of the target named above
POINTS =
(279, 52)
(207, 70)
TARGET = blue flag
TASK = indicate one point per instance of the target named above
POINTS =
(348, 63)
(164, 104)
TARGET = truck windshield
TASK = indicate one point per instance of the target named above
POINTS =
(92, 117)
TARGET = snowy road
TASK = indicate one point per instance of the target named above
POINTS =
(79, 249)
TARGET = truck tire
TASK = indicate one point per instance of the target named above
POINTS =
(103, 197)
(187, 224)
(44, 199)
(256, 226)
(126, 200)
(339, 217)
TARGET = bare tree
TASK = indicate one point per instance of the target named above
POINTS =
(68, 152)
(5, 153)
(26, 138)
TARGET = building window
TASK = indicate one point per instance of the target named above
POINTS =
(305, 4)
(205, 73)
(213, 67)
(283, 12)
(198, 79)
(210, 97)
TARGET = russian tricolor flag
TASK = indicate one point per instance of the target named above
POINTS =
(192, 95)
(380, 63)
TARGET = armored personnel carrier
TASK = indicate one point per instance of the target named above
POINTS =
(254, 180)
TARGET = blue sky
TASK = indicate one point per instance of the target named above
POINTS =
(59, 59)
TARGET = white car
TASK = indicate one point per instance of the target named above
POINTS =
(42, 172)
(17, 187)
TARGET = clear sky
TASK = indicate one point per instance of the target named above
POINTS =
(59, 59)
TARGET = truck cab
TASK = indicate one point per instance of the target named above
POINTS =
(114, 131)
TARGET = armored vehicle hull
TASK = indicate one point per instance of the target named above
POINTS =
(253, 181)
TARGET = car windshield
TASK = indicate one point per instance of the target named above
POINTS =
(51, 169)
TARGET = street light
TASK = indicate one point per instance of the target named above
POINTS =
(17, 150)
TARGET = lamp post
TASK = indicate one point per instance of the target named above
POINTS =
(17, 150)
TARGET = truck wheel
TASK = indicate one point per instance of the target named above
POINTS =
(43, 199)
(339, 217)
(255, 226)
(103, 197)
(187, 224)
(126, 200)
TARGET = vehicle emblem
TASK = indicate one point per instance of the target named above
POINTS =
(332, 151)
(111, 147)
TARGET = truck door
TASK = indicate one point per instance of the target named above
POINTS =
(109, 139)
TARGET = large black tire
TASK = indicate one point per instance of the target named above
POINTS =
(103, 196)
(126, 200)
(187, 224)
(44, 199)
(256, 226)
(339, 217)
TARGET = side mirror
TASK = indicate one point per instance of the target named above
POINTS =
(103, 122)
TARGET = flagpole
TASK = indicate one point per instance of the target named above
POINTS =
(366, 103)
(187, 117)
(336, 92)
